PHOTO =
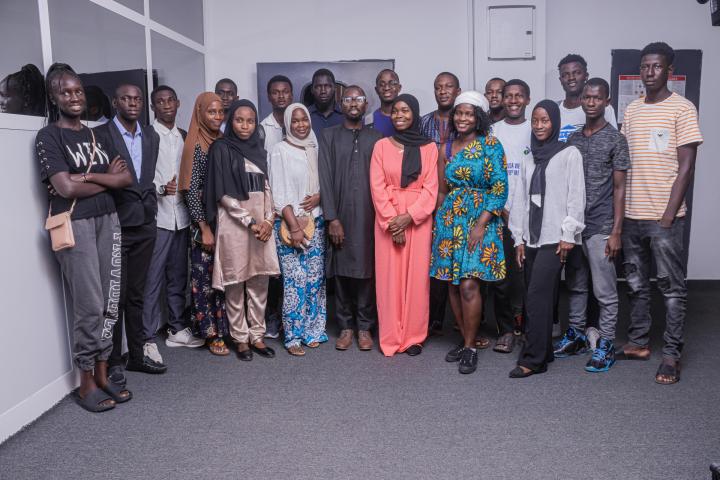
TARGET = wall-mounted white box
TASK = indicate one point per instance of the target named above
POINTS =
(511, 32)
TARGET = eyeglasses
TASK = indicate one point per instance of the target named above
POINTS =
(349, 100)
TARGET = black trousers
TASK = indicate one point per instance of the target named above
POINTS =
(509, 292)
(542, 275)
(355, 295)
(438, 302)
(137, 249)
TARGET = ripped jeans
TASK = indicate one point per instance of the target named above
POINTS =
(643, 240)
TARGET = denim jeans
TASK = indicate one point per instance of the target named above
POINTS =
(644, 240)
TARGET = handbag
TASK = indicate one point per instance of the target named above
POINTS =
(60, 225)
(307, 225)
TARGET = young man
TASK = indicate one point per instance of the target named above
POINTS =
(573, 75)
(606, 161)
(169, 264)
(344, 168)
(436, 126)
(280, 95)
(136, 209)
(514, 133)
(227, 90)
(494, 95)
(387, 87)
(323, 112)
(663, 135)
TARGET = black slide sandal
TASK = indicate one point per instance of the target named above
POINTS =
(115, 390)
(92, 402)
(671, 371)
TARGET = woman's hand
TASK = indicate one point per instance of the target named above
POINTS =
(563, 249)
(476, 236)
(262, 231)
(207, 238)
(336, 233)
(399, 238)
(297, 238)
(310, 202)
(520, 256)
(399, 223)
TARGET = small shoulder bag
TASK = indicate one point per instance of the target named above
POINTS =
(60, 225)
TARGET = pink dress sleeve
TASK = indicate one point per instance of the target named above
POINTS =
(384, 209)
(423, 207)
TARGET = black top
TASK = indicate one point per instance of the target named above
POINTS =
(65, 150)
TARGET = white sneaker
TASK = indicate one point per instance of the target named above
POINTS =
(183, 338)
(151, 351)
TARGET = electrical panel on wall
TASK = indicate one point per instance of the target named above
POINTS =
(511, 32)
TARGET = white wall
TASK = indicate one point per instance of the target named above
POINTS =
(593, 29)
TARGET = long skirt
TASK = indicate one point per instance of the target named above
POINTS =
(207, 310)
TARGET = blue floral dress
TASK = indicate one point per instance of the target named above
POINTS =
(477, 181)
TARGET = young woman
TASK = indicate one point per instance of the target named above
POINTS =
(208, 309)
(404, 186)
(296, 194)
(237, 198)
(80, 171)
(546, 220)
(467, 242)
(23, 92)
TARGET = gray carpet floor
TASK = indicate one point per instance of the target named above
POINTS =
(360, 415)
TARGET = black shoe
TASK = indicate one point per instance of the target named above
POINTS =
(454, 354)
(245, 355)
(414, 350)
(468, 361)
(116, 375)
(266, 352)
(518, 372)
(146, 365)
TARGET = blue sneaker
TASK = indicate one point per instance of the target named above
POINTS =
(603, 357)
(572, 343)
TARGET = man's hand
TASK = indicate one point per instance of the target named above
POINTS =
(520, 256)
(563, 249)
(171, 186)
(613, 246)
(336, 233)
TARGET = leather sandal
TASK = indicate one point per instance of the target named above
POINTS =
(670, 369)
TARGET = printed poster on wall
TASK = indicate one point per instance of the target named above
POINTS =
(630, 87)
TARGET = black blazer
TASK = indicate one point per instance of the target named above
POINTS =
(137, 204)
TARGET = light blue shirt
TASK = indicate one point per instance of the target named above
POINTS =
(133, 144)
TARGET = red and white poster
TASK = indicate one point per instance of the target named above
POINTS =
(630, 87)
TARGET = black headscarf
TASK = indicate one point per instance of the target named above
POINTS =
(226, 173)
(542, 152)
(412, 140)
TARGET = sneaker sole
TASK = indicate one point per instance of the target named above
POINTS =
(172, 344)
(272, 335)
(599, 370)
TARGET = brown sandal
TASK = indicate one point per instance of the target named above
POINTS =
(482, 342)
(296, 350)
(313, 344)
(217, 347)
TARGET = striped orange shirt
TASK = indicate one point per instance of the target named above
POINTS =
(654, 131)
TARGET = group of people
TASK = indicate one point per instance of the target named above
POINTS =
(400, 212)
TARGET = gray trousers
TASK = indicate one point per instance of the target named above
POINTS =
(590, 260)
(169, 267)
(92, 272)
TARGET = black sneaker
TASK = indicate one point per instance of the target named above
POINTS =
(454, 354)
(468, 361)
(572, 343)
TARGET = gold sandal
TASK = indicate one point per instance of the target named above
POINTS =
(296, 350)
(217, 347)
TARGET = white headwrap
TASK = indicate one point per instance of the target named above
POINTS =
(310, 144)
(473, 98)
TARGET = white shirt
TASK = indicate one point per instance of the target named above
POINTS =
(515, 140)
(273, 132)
(564, 209)
(573, 119)
(288, 172)
(172, 211)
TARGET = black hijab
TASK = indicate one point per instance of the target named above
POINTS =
(542, 152)
(412, 140)
(226, 173)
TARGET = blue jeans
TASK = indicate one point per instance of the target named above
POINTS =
(644, 240)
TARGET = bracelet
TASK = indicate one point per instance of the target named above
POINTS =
(268, 222)
(296, 230)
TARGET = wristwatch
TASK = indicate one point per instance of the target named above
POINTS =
(161, 189)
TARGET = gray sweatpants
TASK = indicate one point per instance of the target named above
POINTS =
(591, 260)
(92, 272)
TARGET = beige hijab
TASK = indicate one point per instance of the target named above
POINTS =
(309, 143)
(199, 133)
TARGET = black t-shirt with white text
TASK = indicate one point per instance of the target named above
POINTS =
(66, 150)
